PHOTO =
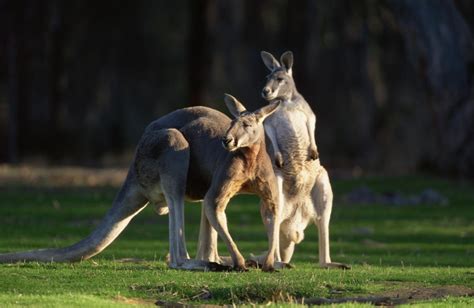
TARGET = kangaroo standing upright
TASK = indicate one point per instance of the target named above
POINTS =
(181, 155)
(305, 191)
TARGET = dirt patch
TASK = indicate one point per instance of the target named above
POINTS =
(133, 301)
(423, 293)
(397, 297)
(405, 295)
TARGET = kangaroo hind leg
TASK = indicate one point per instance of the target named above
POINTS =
(163, 162)
(322, 198)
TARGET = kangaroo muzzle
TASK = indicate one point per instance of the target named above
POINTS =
(228, 143)
(266, 91)
(268, 94)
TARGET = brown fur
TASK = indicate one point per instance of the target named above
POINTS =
(181, 156)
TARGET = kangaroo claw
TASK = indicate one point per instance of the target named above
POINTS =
(313, 153)
(279, 160)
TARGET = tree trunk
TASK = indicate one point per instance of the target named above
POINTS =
(199, 56)
(13, 100)
(54, 49)
(439, 45)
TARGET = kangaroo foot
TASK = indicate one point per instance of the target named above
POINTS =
(239, 268)
(282, 265)
(269, 269)
(225, 260)
(221, 264)
(204, 266)
(252, 263)
(336, 265)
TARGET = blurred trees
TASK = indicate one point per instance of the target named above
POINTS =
(390, 81)
(438, 43)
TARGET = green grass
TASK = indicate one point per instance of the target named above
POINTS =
(411, 247)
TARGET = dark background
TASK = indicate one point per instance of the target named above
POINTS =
(390, 81)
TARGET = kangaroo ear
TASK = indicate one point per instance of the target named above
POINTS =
(286, 60)
(234, 106)
(269, 60)
(267, 110)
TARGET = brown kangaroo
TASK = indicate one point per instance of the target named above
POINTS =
(195, 153)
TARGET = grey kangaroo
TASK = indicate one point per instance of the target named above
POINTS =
(182, 155)
(305, 191)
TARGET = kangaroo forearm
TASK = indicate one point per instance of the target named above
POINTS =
(311, 126)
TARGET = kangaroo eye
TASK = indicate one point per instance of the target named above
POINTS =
(279, 79)
(247, 125)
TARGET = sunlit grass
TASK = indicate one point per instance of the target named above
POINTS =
(405, 247)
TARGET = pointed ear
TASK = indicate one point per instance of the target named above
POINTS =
(286, 60)
(269, 60)
(267, 110)
(234, 106)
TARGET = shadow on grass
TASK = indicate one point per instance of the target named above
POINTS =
(409, 235)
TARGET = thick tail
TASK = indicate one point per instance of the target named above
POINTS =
(128, 203)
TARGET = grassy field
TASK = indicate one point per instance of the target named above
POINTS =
(419, 253)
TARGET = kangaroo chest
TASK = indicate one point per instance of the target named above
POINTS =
(290, 127)
(291, 130)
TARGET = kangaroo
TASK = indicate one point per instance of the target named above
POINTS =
(305, 190)
(196, 153)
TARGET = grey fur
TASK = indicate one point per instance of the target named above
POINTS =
(304, 186)
(181, 156)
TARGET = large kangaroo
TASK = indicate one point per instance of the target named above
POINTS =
(306, 194)
(181, 155)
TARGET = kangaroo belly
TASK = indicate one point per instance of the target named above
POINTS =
(292, 133)
(202, 128)
(296, 217)
(293, 142)
(206, 152)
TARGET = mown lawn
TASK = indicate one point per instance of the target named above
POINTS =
(393, 250)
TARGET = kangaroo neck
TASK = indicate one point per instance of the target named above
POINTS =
(252, 154)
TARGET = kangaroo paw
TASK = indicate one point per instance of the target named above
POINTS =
(313, 153)
(283, 265)
(279, 160)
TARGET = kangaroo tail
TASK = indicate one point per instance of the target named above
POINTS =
(128, 203)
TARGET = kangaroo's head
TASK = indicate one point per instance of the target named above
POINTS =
(246, 128)
(280, 83)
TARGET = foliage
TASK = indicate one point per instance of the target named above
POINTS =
(82, 79)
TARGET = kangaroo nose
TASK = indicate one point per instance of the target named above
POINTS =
(266, 91)
(226, 141)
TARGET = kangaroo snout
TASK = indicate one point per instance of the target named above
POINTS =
(227, 142)
(266, 91)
